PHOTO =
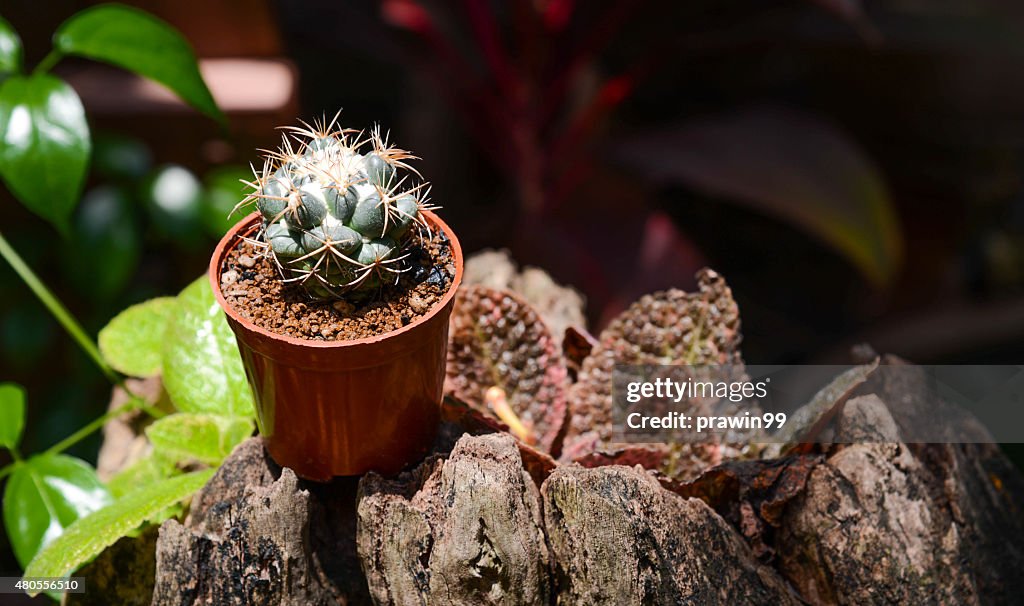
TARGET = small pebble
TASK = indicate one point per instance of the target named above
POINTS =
(228, 278)
(343, 307)
(246, 261)
(418, 305)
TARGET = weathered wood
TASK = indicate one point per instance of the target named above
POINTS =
(619, 538)
(123, 574)
(258, 545)
(878, 524)
(470, 533)
(259, 535)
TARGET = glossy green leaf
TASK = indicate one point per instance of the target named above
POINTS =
(141, 43)
(133, 341)
(142, 474)
(207, 438)
(45, 495)
(44, 150)
(173, 196)
(104, 234)
(202, 367)
(788, 164)
(116, 157)
(89, 536)
(10, 48)
(12, 414)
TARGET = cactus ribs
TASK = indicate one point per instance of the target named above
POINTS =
(341, 210)
(343, 250)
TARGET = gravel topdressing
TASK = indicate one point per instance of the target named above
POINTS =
(252, 287)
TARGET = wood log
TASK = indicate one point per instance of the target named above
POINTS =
(618, 537)
(884, 523)
(877, 522)
(462, 531)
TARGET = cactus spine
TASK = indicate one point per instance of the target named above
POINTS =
(340, 209)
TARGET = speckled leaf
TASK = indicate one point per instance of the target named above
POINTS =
(498, 340)
(202, 368)
(87, 537)
(133, 341)
(206, 438)
(669, 327)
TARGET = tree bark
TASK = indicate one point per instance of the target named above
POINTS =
(875, 522)
(466, 530)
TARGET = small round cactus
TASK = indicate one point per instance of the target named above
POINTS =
(339, 209)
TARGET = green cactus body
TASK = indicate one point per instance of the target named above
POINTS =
(338, 210)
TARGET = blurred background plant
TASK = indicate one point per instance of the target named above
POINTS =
(853, 168)
(56, 505)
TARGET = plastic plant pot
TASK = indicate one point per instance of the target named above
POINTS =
(342, 408)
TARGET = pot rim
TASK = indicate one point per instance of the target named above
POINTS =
(229, 239)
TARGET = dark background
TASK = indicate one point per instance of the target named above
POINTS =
(564, 131)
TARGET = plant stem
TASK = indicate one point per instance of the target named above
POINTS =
(48, 61)
(58, 310)
(76, 331)
(93, 425)
(10, 467)
(133, 404)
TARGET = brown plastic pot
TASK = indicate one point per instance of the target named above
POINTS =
(341, 408)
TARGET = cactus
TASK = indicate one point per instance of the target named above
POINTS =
(340, 209)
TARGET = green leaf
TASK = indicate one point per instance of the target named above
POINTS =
(10, 48)
(89, 536)
(206, 438)
(44, 150)
(223, 191)
(120, 158)
(141, 43)
(140, 474)
(133, 341)
(45, 495)
(173, 196)
(784, 163)
(104, 233)
(12, 414)
(202, 367)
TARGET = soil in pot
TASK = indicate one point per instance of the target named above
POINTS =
(252, 286)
